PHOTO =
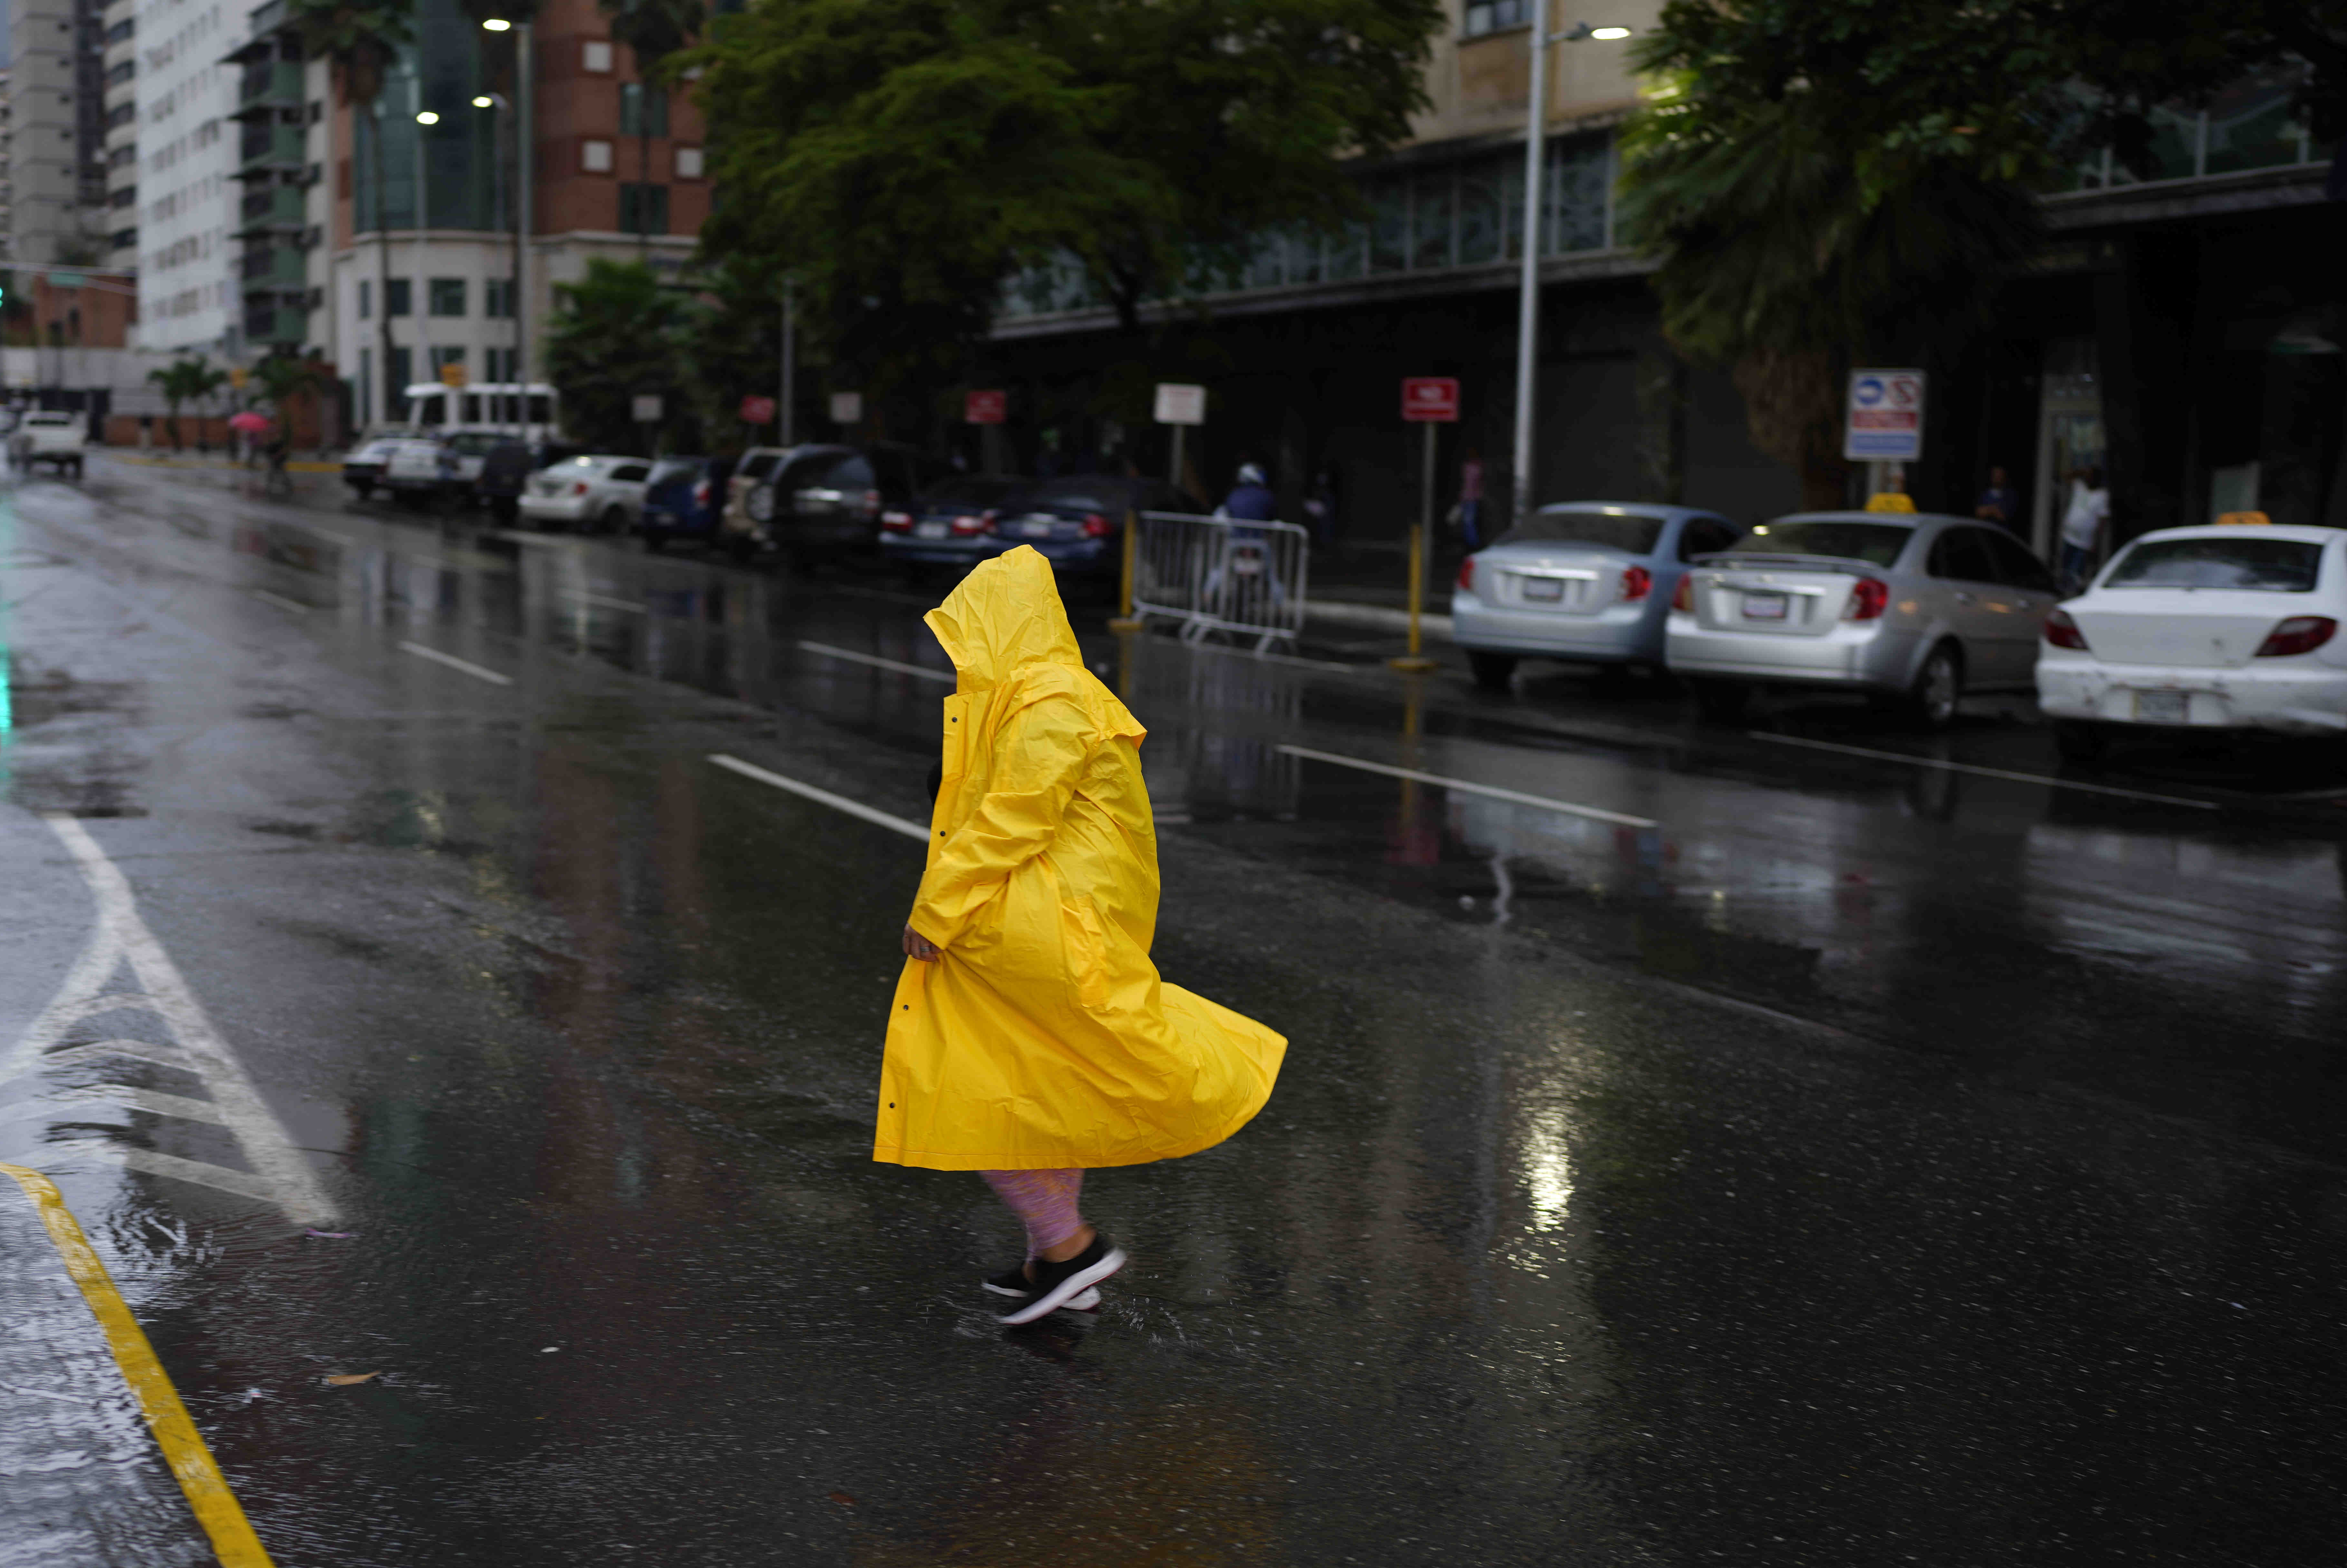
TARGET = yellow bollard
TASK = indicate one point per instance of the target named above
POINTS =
(1416, 662)
(1126, 620)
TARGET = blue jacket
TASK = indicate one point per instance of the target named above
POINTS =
(1251, 504)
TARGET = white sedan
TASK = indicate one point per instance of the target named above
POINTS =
(2212, 628)
(594, 495)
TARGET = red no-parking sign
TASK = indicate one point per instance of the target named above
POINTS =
(1431, 399)
(756, 410)
(985, 408)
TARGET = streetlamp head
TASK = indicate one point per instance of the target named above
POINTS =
(427, 118)
(497, 25)
(484, 101)
(1608, 35)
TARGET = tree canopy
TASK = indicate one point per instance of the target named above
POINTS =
(902, 158)
(617, 332)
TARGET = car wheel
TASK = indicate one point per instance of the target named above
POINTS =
(1493, 671)
(1722, 701)
(1939, 687)
(2081, 741)
(364, 487)
(614, 520)
(655, 540)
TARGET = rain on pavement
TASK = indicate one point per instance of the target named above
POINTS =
(1796, 1144)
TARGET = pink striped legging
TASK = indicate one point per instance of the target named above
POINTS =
(1044, 1201)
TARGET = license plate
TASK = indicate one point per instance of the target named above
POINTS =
(1765, 606)
(1034, 530)
(2163, 707)
(929, 530)
(1543, 591)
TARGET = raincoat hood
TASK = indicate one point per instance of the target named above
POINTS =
(1005, 616)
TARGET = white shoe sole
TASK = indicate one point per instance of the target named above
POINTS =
(1068, 1290)
(1085, 1301)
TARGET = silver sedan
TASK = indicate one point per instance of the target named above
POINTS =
(1911, 609)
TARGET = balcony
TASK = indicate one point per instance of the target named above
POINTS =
(273, 268)
(271, 208)
(270, 85)
(264, 149)
(274, 323)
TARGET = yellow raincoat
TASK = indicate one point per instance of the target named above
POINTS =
(1042, 1037)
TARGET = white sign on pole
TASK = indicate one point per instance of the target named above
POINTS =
(1885, 423)
(1180, 404)
(846, 408)
(646, 407)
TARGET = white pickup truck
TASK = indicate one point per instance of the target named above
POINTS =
(51, 436)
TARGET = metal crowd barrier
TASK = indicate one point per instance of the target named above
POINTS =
(1218, 575)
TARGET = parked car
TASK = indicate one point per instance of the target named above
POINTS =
(1586, 581)
(827, 500)
(49, 435)
(952, 522)
(682, 499)
(362, 469)
(2202, 628)
(754, 467)
(506, 470)
(418, 471)
(1078, 519)
(1914, 609)
(594, 494)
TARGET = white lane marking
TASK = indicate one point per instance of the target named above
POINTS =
(281, 601)
(153, 1101)
(828, 651)
(107, 1049)
(1291, 660)
(604, 600)
(219, 1178)
(822, 796)
(1984, 773)
(281, 1175)
(455, 663)
(1595, 813)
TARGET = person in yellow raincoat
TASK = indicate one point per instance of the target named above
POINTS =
(1030, 1038)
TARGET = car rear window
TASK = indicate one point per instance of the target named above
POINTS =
(972, 490)
(2229, 560)
(1631, 531)
(758, 465)
(1876, 544)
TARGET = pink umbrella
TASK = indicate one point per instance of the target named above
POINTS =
(249, 420)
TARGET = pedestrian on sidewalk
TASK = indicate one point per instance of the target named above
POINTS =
(2082, 526)
(1470, 498)
(1998, 504)
(1030, 1038)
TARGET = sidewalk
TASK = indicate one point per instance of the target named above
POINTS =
(1365, 587)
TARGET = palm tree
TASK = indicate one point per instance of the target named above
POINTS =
(283, 379)
(186, 381)
(361, 39)
(653, 30)
(1779, 261)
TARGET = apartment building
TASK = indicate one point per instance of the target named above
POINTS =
(7, 190)
(120, 130)
(2184, 330)
(56, 159)
(187, 151)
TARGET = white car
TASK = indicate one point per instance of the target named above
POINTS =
(2210, 628)
(49, 435)
(594, 495)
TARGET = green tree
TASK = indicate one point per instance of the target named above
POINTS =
(186, 381)
(903, 158)
(361, 39)
(283, 380)
(653, 30)
(615, 333)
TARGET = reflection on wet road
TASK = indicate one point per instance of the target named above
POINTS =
(1695, 1146)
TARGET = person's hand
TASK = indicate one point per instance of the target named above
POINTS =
(920, 947)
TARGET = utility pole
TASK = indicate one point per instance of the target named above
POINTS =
(785, 426)
(525, 211)
(1528, 291)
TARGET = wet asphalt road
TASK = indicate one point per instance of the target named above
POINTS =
(1866, 1162)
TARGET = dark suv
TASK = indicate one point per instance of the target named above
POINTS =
(827, 500)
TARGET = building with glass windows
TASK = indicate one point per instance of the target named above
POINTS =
(2182, 330)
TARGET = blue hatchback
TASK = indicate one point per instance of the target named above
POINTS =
(684, 497)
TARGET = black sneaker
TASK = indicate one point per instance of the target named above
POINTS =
(1013, 1281)
(1058, 1285)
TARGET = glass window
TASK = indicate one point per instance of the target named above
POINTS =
(2174, 153)
(2251, 125)
(366, 299)
(2016, 566)
(630, 472)
(1347, 252)
(1494, 16)
(688, 163)
(1634, 532)
(1481, 212)
(850, 473)
(403, 366)
(447, 296)
(758, 465)
(1876, 544)
(497, 297)
(395, 300)
(2220, 560)
(1304, 258)
(1389, 226)
(1962, 555)
(1429, 219)
(1577, 177)
(643, 111)
(1703, 537)
(643, 208)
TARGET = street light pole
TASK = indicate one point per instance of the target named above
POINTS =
(495, 103)
(525, 184)
(785, 426)
(420, 287)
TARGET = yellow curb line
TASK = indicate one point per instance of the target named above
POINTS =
(301, 468)
(216, 1508)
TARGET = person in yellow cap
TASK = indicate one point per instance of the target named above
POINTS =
(1030, 1038)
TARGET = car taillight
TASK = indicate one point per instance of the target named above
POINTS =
(579, 486)
(2063, 632)
(701, 492)
(896, 522)
(871, 502)
(1097, 527)
(1869, 598)
(1637, 582)
(1467, 575)
(2299, 634)
(967, 525)
(1684, 599)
